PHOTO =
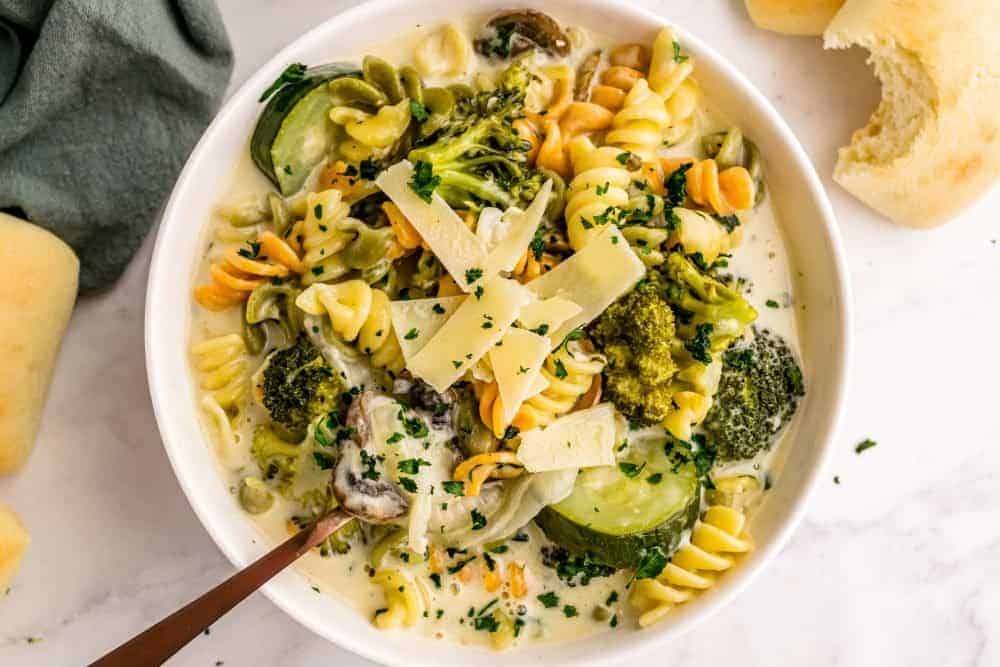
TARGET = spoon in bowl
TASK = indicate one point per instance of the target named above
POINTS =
(372, 501)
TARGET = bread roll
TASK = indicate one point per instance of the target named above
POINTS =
(933, 144)
(38, 278)
(13, 542)
(793, 17)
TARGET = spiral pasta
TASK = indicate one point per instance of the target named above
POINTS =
(445, 52)
(223, 366)
(473, 472)
(690, 409)
(640, 124)
(571, 372)
(647, 242)
(715, 539)
(360, 315)
(531, 266)
(724, 192)
(242, 269)
(403, 603)
(600, 187)
(335, 244)
(670, 77)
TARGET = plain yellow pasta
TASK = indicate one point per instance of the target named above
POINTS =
(690, 409)
(640, 124)
(223, 368)
(670, 77)
(403, 603)
(601, 183)
(647, 242)
(716, 539)
(360, 315)
(322, 237)
(572, 373)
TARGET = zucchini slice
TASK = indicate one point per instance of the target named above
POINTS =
(616, 514)
(294, 132)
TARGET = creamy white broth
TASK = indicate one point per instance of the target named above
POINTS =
(760, 258)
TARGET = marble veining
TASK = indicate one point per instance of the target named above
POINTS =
(898, 564)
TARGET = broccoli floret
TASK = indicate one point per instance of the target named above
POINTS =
(635, 335)
(477, 158)
(297, 385)
(758, 393)
(710, 316)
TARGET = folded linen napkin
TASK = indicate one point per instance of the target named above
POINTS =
(100, 103)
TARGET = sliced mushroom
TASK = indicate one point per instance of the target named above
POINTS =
(514, 32)
(358, 486)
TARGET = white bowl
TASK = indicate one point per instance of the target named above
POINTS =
(811, 235)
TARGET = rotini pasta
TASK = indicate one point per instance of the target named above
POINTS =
(715, 540)
(641, 122)
(360, 315)
(403, 603)
(336, 244)
(473, 472)
(600, 185)
(223, 366)
(572, 372)
(669, 77)
(242, 269)
(724, 192)
(371, 133)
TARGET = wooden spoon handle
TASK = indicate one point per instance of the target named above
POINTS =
(158, 643)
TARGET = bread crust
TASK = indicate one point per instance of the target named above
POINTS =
(953, 156)
(793, 17)
(38, 283)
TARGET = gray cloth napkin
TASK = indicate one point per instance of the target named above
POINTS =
(100, 103)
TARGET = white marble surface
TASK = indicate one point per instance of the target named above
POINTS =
(897, 565)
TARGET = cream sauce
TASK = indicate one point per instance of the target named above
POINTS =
(761, 258)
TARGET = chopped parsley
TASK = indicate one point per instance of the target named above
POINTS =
(408, 484)
(678, 56)
(436, 578)
(771, 303)
(655, 478)
(560, 370)
(424, 181)
(457, 567)
(318, 211)
(479, 292)
(419, 111)
(369, 462)
(368, 169)
(569, 611)
(700, 346)
(454, 488)
(478, 520)
(867, 443)
(623, 158)
(630, 469)
(549, 599)
(651, 563)
(324, 461)
(473, 274)
(438, 308)
(394, 438)
(411, 466)
(414, 426)
(411, 334)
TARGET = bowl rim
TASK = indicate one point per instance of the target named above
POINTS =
(161, 271)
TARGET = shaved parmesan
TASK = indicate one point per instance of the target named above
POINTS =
(415, 322)
(520, 229)
(517, 364)
(477, 325)
(460, 251)
(545, 317)
(593, 278)
(581, 439)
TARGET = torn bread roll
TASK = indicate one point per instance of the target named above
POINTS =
(933, 144)
(38, 280)
(14, 541)
(793, 17)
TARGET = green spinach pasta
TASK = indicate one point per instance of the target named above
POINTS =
(513, 296)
